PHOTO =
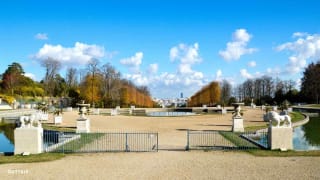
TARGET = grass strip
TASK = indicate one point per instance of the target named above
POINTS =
(295, 117)
(278, 153)
(43, 157)
(57, 128)
(77, 144)
(237, 140)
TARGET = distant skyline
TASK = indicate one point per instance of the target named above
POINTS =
(169, 46)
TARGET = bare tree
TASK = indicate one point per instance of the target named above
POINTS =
(71, 77)
(52, 67)
(225, 91)
(111, 82)
(93, 69)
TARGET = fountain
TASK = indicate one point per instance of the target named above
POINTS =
(83, 123)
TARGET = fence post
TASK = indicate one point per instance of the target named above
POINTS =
(127, 146)
(187, 147)
(63, 134)
(157, 142)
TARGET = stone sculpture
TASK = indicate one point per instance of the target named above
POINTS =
(274, 116)
(29, 121)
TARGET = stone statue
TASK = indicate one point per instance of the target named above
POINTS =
(25, 121)
(274, 116)
(28, 121)
(237, 110)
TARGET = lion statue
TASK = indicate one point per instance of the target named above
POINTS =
(29, 121)
(274, 116)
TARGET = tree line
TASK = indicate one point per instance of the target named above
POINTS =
(101, 86)
(209, 95)
(263, 90)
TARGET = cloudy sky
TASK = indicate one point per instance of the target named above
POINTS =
(169, 46)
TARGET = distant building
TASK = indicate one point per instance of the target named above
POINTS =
(177, 102)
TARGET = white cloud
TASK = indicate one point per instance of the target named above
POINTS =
(133, 62)
(241, 35)
(153, 68)
(79, 54)
(30, 75)
(185, 54)
(218, 75)
(185, 78)
(111, 54)
(41, 36)
(304, 48)
(252, 64)
(238, 46)
(299, 34)
(245, 74)
(138, 79)
(298, 83)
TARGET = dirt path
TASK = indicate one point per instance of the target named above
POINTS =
(166, 164)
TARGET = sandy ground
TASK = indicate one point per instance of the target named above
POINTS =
(168, 163)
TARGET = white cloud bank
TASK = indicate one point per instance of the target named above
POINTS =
(238, 46)
(304, 48)
(184, 79)
(80, 54)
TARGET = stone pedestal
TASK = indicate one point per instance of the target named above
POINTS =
(83, 125)
(57, 119)
(28, 140)
(96, 111)
(237, 125)
(280, 138)
(44, 117)
(114, 112)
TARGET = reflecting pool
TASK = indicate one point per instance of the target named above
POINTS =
(165, 114)
(7, 137)
(307, 137)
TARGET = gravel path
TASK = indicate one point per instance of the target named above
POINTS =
(166, 164)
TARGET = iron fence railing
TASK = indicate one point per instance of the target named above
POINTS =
(67, 142)
(226, 140)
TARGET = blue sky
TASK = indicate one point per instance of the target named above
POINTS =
(171, 47)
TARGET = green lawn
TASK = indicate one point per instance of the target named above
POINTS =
(57, 128)
(76, 145)
(295, 117)
(313, 105)
(31, 158)
(278, 153)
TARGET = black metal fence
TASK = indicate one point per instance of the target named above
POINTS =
(99, 142)
(227, 140)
